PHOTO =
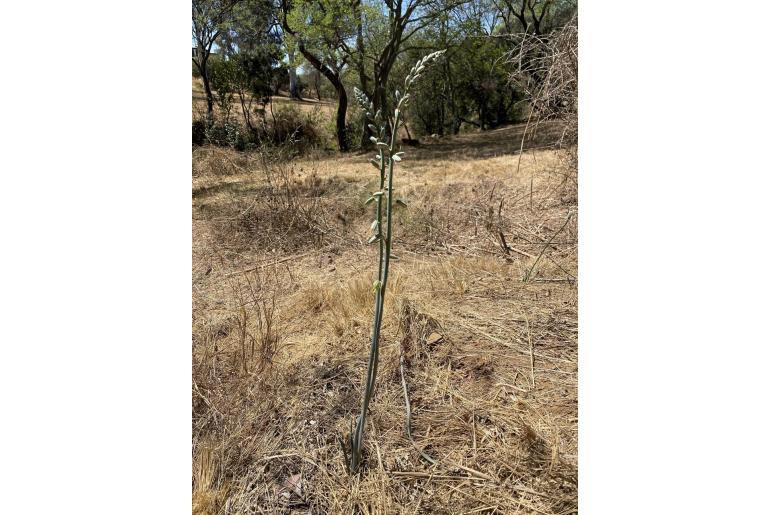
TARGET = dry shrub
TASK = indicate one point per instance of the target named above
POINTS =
(247, 334)
(214, 161)
(288, 129)
(546, 69)
(280, 215)
(289, 209)
(296, 128)
(234, 379)
(256, 296)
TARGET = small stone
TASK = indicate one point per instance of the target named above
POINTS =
(292, 484)
(434, 338)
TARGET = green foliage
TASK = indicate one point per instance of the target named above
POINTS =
(294, 130)
(225, 134)
(222, 75)
(253, 73)
(198, 132)
(322, 25)
(353, 128)
(469, 89)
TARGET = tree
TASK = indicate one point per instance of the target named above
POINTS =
(209, 21)
(317, 30)
(250, 43)
(389, 27)
(293, 86)
(314, 79)
(524, 15)
(529, 23)
(470, 84)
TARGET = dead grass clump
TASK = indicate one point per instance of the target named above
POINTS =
(418, 331)
(299, 129)
(274, 216)
(208, 494)
(344, 307)
(277, 206)
(214, 161)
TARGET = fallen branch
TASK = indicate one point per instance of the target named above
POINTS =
(427, 457)
(526, 277)
(264, 265)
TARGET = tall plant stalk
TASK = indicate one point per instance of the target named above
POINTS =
(385, 159)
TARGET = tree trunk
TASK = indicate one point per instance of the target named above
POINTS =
(293, 89)
(379, 98)
(342, 97)
(207, 87)
(332, 75)
(342, 107)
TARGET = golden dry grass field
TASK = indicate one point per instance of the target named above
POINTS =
(283, 306)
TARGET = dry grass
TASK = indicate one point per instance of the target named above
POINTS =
(325, 108)
(491, 361)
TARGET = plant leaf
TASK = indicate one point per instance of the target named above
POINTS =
(396, 157)
(370, 200)
(401, 202)
(372, 239)
(374, 226)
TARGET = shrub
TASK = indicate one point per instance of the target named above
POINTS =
(289, 127)
(353, 130)
(223, 134)
(198, 132)
(292, 126)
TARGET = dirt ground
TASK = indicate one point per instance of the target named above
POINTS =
(283, 306)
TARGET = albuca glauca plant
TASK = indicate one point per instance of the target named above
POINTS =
(385, 159)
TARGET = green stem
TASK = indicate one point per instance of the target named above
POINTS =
(390, 203)
(371, 376)
(379, 213)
